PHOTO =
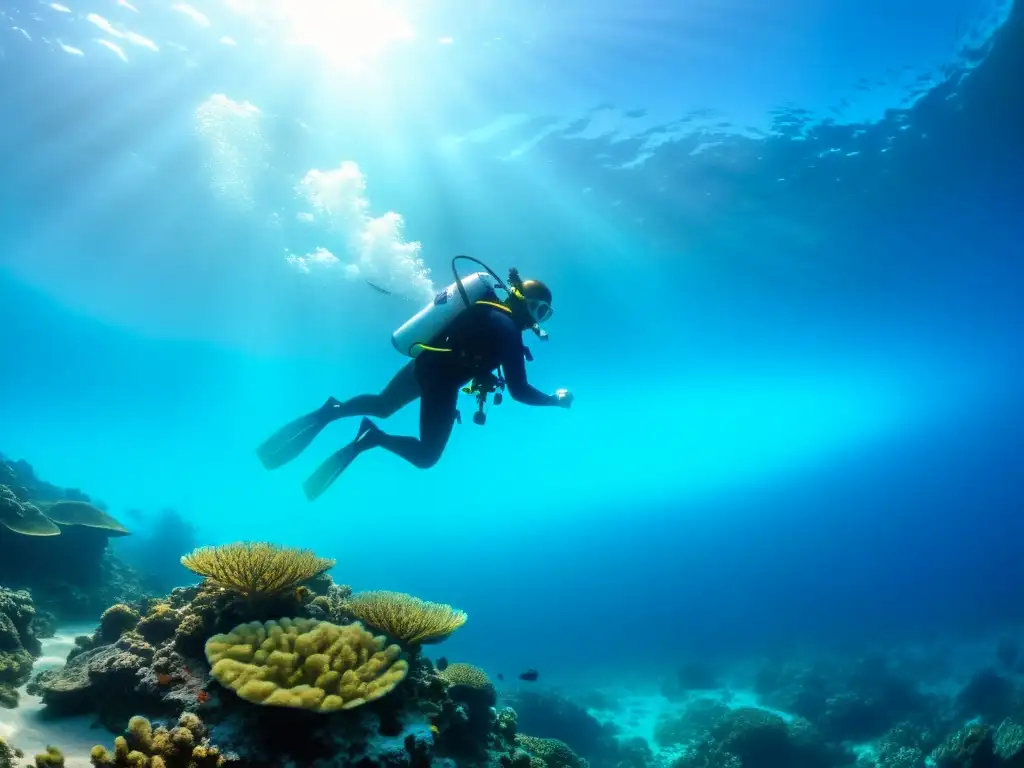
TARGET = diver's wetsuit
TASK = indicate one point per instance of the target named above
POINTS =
(482, 339)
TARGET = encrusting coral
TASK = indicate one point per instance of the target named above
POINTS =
(406, 618)
(184, 746)
(305, 664)
(256, 569)
(115, 621)
(8, 754)
(467, 675)
(553, 752)
(18, 644)
(51, 758)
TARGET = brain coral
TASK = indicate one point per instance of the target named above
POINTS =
(306, 664)
(467, 675)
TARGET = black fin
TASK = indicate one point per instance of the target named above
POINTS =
(325, 475)
(295, 436)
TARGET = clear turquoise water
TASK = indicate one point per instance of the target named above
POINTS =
(783, 249)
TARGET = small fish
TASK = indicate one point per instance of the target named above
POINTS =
(501, 676)
(203, 697)
(163, 679)
(529, 675)
(378, 289)
(187, 670)
(442, 664)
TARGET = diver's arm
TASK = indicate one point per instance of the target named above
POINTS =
(514, 367)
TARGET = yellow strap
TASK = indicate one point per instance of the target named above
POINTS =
(496, 306)
(426, 348)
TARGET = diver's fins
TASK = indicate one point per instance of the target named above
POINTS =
(331, 470)
(295, 436)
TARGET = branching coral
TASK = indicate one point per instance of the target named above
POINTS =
(305, 664)
(256, 569)
(406, 618)
(144, 747)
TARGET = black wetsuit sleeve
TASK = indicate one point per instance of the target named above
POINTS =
(513, 363)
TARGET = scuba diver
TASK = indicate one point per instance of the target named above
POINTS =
(459, 343)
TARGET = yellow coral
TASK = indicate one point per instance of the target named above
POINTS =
(51, 758)
(404, 617)
(146, 747)
(256, 568)
(305, 664)
(465, 674)
(553, 752)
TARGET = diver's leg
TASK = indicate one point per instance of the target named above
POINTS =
(400, 391)
(295, 436)
(437, 417)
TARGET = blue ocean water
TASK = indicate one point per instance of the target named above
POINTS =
(784, 244)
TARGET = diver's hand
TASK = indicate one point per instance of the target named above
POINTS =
(565, 398)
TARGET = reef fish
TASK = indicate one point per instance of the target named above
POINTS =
(529, 675)
(442, 664)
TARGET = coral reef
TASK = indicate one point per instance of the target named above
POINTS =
(306, 664)
(405, 618)
(547, 714)
(148, 659)
(988, 695)
(54, 542)
(755, 738)
(51, 758)
(142, 746)
(8, 754)
(18, 644)
(115, 621)
(856, 700)
(698, 718)
(256, 569)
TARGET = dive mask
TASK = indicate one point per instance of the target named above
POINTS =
(540, 311)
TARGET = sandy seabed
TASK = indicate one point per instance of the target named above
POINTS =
(27, 729)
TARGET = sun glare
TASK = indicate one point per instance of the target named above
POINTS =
(347, 32)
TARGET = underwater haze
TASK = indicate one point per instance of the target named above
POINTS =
(784, 243)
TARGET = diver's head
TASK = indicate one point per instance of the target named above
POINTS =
(530, 302)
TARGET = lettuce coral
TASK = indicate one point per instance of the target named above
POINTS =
(256, 569)
(406, 618)
(305, 664)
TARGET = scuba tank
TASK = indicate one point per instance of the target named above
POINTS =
(431, 321)
(417, 332)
